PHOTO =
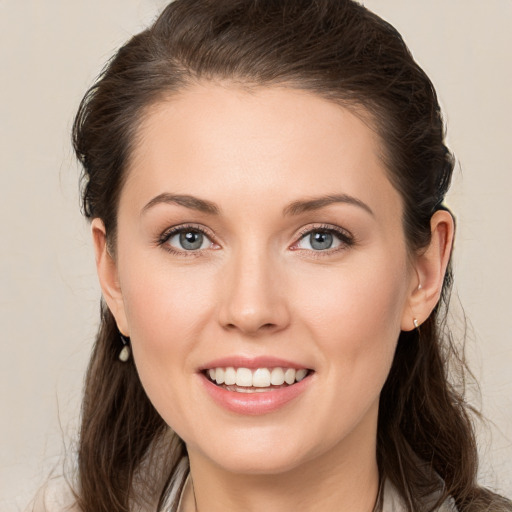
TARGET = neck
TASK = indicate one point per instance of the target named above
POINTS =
(345, 479)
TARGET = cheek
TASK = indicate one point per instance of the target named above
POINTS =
(165, 305)
(354, 317)
(167, 309)
(355, 312)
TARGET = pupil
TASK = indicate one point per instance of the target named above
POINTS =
(321, 240)
(191, 240)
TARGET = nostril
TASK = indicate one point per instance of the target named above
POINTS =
(264, 327)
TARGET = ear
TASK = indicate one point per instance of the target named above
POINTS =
(430, 268)
(106, 267)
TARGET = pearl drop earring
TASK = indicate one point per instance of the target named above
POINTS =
(124, 355)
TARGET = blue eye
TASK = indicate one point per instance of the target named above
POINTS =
(323, 239)
(187, 239)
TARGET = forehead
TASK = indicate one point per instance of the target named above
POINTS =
(229, 141)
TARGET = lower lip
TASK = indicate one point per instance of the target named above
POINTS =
(263, 402)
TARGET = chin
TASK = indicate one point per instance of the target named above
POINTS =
(256, 454)
(271, 464)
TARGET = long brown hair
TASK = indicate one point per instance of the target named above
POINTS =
(343, 52)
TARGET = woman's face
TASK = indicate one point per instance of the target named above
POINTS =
(258, 231)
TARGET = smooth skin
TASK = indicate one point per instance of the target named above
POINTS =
(246, 174)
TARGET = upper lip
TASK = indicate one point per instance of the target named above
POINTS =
(251, 363)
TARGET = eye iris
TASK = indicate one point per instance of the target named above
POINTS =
(191, 240)
(321, 240)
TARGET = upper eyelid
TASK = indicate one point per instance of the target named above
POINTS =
(168, 233)
(345, 237)
(325, 227)
(183, 227)
(337, 230)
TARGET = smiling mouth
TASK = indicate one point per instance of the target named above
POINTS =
(259, 380)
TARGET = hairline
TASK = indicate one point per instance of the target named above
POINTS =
(363, 110)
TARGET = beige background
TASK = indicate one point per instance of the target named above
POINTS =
(51, 50)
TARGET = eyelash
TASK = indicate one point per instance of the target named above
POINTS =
(169, 233)
(347, 239)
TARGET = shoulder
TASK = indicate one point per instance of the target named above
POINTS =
(393, 502)
(55, 496)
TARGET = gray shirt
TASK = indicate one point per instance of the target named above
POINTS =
(57, 496)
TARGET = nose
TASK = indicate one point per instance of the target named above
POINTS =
(253, 300)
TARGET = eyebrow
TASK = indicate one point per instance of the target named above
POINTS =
(295, 208)
(194, 203)
(302, 206)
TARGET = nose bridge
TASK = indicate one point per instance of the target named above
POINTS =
(253, 301)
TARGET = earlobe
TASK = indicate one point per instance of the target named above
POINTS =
(106, 267)
(430, 267)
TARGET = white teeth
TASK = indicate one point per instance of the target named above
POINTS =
(261, 378)
(258, 378)
(289, 376)
(219, 375)
(300, 374)
(277, 377)
(230, 376)
(244, 377)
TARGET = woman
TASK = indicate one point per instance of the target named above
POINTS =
(265, 181)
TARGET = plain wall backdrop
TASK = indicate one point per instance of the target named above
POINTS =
(51, 51)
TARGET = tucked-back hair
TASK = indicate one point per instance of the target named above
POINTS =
(336, 49)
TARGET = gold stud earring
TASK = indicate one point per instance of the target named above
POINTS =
(416, 323)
